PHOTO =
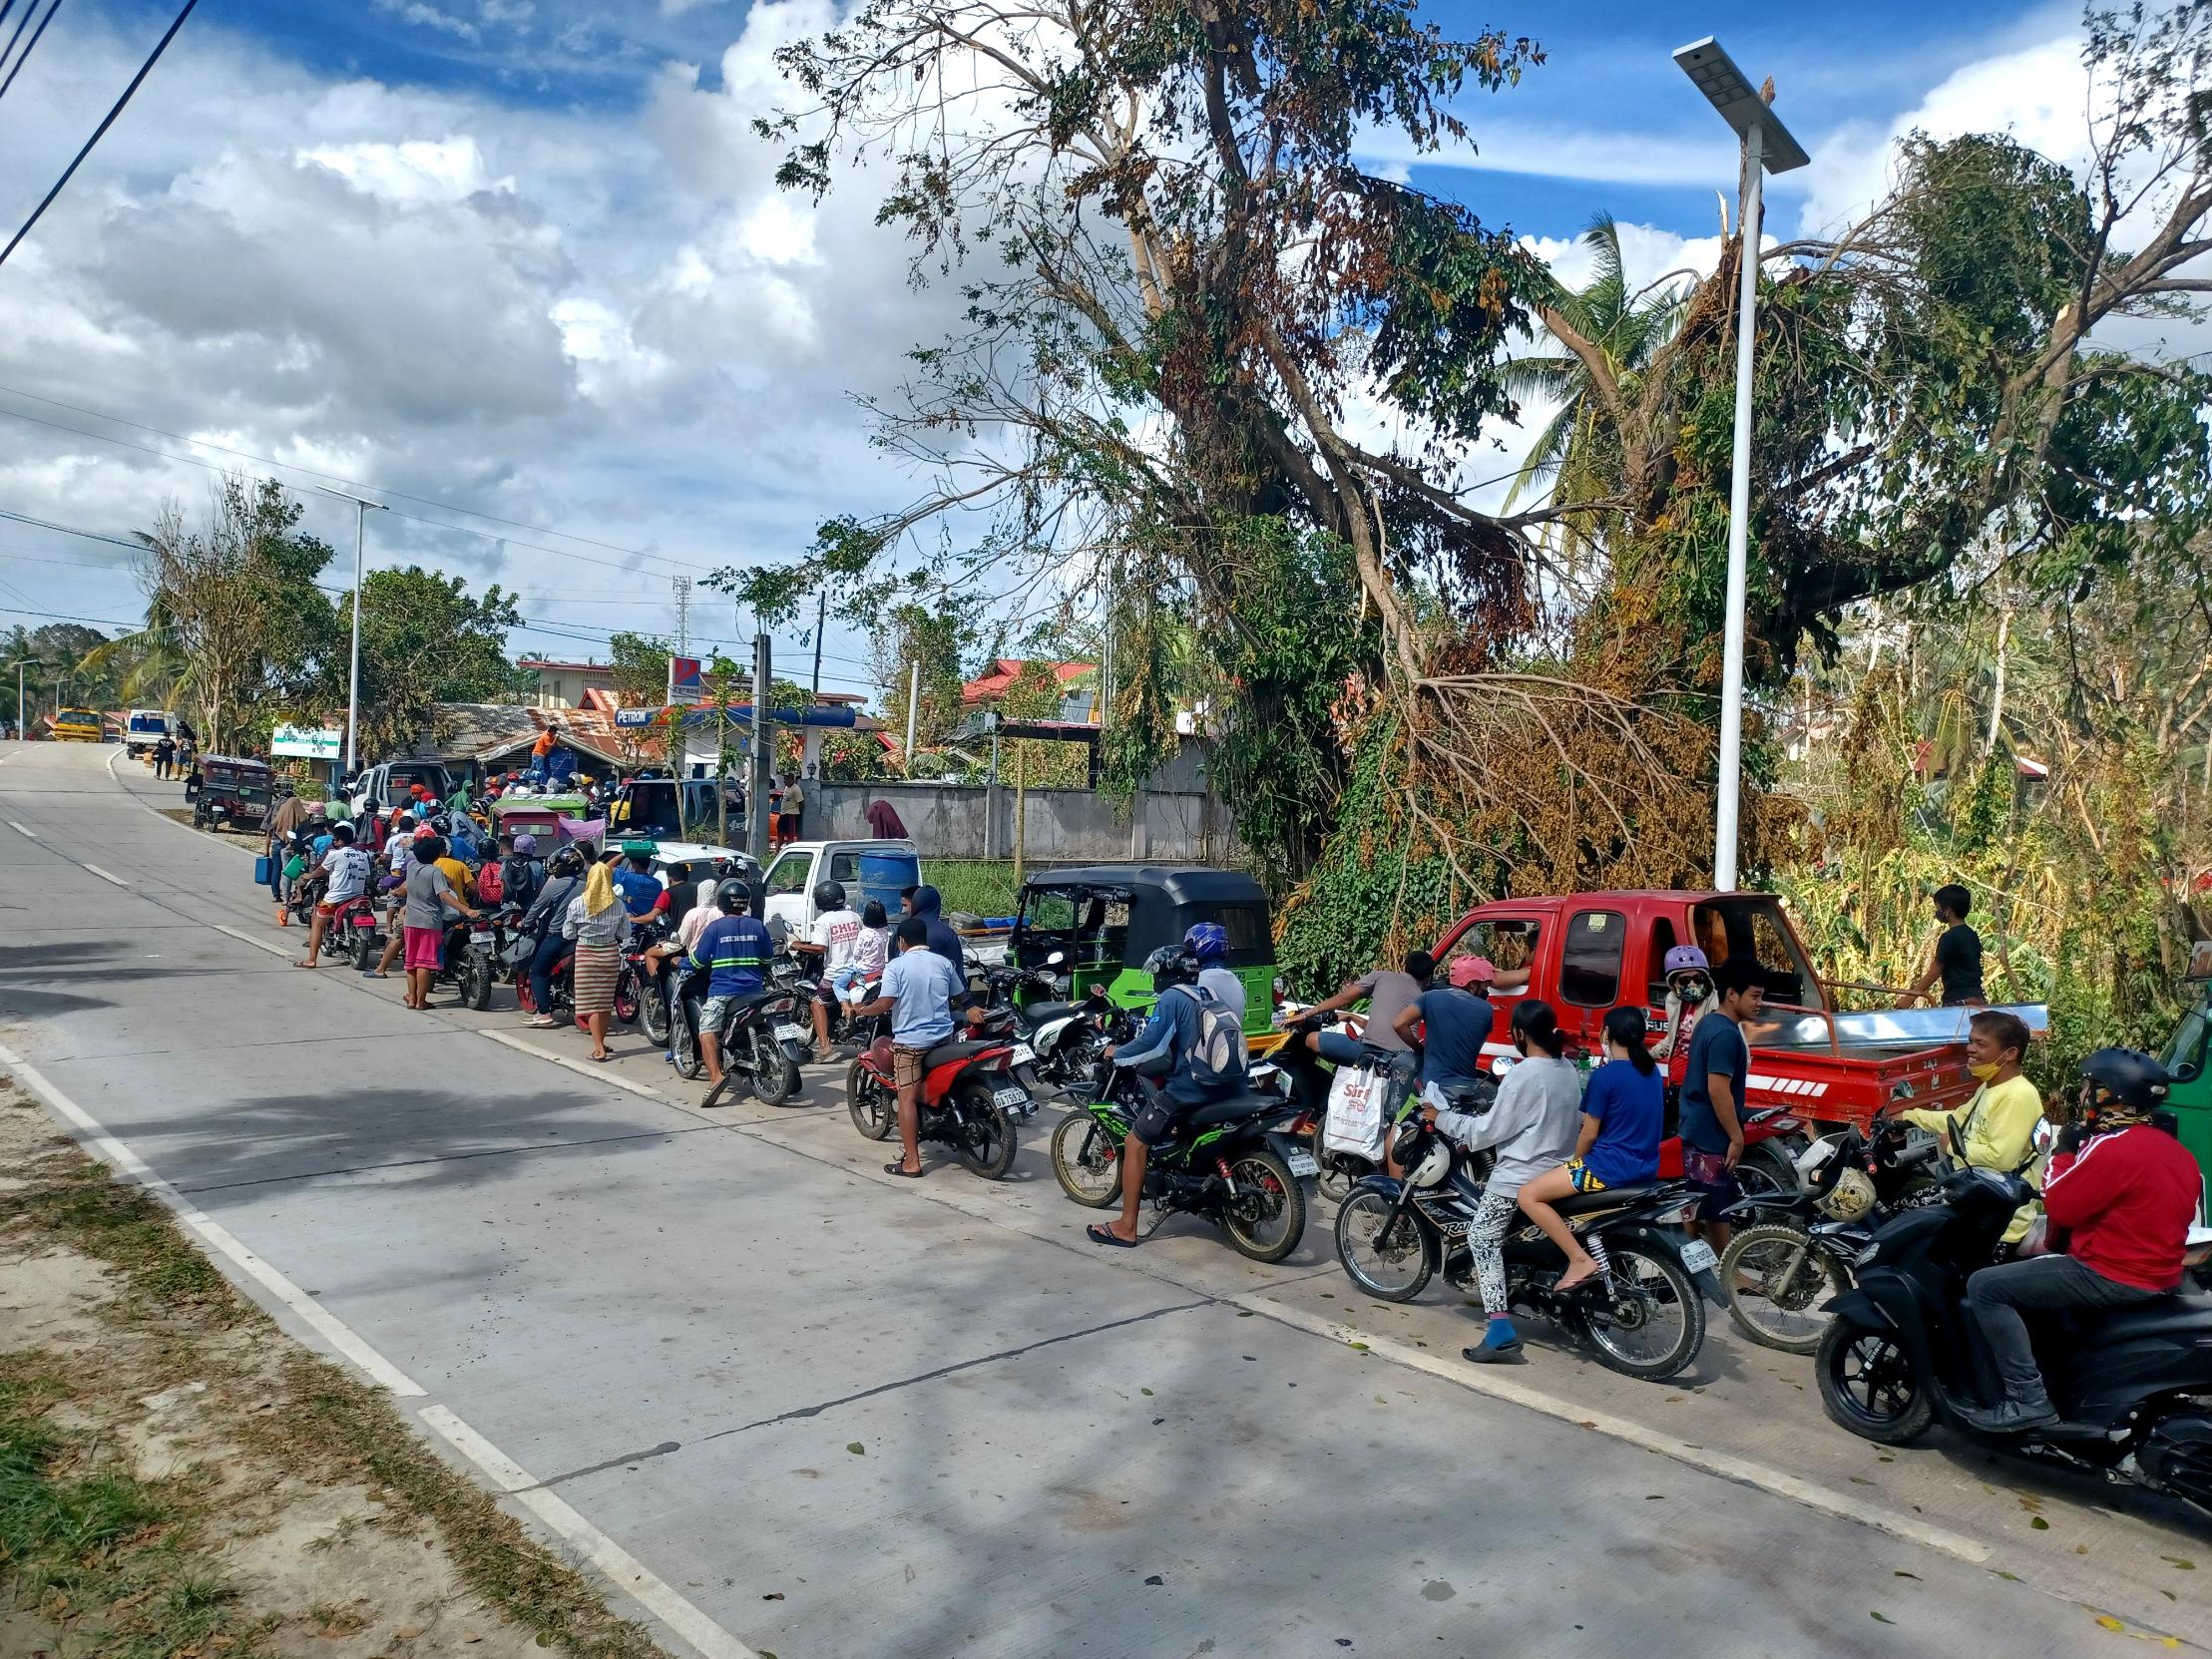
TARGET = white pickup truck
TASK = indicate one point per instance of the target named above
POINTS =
(865, 869)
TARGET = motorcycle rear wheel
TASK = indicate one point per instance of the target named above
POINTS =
(1267, 1224)
(1398, 1273)
(875, 1110)
(775, 1076)
(1648, 1286)
(985, 1145)
(1869, 1386)
(1087, 1162)
(690, 1064)
(653, 1013)
(365, 948)
(1794, 1277)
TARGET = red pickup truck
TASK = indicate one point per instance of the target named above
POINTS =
(1586, 953)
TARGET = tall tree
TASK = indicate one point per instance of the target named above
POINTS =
(425, 639)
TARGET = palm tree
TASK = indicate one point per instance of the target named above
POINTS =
(149, 665)
(1572, 450)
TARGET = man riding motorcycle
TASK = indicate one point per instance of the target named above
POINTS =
(2123, 1193)
(1170, 1043)
(542, 922)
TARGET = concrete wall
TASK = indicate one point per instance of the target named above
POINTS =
(1057, 825)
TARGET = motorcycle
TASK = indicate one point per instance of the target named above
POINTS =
(1779, 1270)
(1643, 1315)
(513, 965)
(471, 954)
(1314, 1087)
(1061, 1041)
(970, 1099)
(1232, 1162)
(2134, 1388)
(759, 1039)
(642, 987)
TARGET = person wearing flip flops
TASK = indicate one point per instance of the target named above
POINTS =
(920, 990)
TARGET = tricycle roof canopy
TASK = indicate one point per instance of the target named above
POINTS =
(1183, 885)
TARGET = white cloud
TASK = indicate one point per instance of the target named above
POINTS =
(415, 11)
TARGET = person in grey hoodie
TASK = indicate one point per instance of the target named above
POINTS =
(1531, 1128)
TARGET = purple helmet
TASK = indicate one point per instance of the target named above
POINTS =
(1686, 958)
(525, 845)
(1207, 940)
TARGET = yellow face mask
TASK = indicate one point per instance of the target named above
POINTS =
(1983, 1074)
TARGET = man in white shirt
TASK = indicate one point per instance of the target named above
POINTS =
(835, 940)
(346, 870)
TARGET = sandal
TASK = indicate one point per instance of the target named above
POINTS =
(1567, 1287)
(601, 1059)
(1100, 1233)
(898, 1167)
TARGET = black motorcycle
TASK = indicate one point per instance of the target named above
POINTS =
(1780, 1269)
(471, 960)
(642, 985)
(1312, 1084)
(1642, 1315)
(1231, 1163)
(759, 1039)
(2134, 1388)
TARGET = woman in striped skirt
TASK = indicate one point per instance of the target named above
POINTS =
(599, 923)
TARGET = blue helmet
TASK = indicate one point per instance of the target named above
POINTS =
(1207, 940)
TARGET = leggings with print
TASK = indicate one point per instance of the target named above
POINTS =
(1486, 1238)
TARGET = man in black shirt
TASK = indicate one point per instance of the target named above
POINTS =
(1957, 962)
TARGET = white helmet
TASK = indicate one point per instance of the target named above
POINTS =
(1852, 1198)
(1435, 1165)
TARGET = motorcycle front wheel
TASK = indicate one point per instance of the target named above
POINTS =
(986, 1143)
(365, 948)
(1087, 1162)
(626, 998)
(1267, 1216)
(476, 981)
(653, 1013)
(1869, 1386)
(690, 1064)
(776, 1075)
(1395, 1268)
(875, 1110)
(1793, 1280)
(1651, 1321)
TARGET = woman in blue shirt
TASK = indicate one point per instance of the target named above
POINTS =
(1623, 1111)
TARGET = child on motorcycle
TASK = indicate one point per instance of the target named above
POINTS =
(1623, 1111)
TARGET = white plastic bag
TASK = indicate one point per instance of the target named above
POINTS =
(1355, 1121)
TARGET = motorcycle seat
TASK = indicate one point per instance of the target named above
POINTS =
(1231, 1111)
(957, 1048)
(2171, 1317)
(1610, 1198)
(1041, 1014)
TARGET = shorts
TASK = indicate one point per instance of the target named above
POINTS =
(425, 947)
(1580, 1173)
(906, 1066)
(842, 987)
(715, 1013)
(788, 825)
(331, 907)
(1709, 1171)
(1157, 1119)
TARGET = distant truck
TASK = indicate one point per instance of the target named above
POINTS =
(143, 727)
(77, 726)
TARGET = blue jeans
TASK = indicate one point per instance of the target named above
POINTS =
(1337, 1048)
(541, 969)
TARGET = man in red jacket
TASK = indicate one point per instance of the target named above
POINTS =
(2123, 1191)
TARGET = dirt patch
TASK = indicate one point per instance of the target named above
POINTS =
(176, 1477)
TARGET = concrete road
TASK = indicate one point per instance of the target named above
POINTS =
(793, 1407)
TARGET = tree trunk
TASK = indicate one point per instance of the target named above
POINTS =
(1996, 695)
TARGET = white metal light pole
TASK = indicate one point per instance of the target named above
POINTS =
(361, 508)
(1767, 147)
(22, 714)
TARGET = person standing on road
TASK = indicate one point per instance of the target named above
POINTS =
(345, 869)
(1712, 1095)
(432, 900)
(792, 809)
(290, 813)
(918, 990)
(165, 751)
(598, 922)
(1956, 960)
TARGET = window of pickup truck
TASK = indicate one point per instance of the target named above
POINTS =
(1510, 945)
(1590, 960)
(1755, 927)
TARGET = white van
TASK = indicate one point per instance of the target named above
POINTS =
(143, 727)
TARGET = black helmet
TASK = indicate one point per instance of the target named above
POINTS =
(829, 895)
(732, 896)
(2132, 1079)
(1171, 965)
(569, 861)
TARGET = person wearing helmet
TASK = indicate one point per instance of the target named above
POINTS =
(1458, 1018)
(2122, 1192)
(542, 922)
(1531, 1126)
(634, 883)
(1389, 992)
(1623, 1111)
(832, 942)
(1689, 990)
(1208, 942)
(522, 874)
(732, 950)
(1187, 1021)
(1998, 1124)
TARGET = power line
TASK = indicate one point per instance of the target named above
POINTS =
(22, 23)
(100, 132)
(32, 47)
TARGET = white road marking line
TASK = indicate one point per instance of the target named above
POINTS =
(23, 829)
(1741, 1470)
(269, 946)
(113, 1152)
(590, 1068)
(636, 1580)
(103, 876)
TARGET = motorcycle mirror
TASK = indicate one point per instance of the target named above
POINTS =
(2046, 1137)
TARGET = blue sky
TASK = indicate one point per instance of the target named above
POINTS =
(522, 256)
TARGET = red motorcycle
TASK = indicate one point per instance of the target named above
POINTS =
(969, 1096)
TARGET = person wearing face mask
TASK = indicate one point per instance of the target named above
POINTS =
(1999, 1124)
(1689, 993)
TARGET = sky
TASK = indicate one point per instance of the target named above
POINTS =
(519, 268)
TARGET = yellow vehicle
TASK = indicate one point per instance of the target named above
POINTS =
(77, 726)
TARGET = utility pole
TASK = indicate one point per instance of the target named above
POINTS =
(361, 506)
(757, 793)
(683, 586)
(821, 618)
(22, 712)
(913, 708)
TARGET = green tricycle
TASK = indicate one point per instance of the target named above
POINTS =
(2185, 1058)
(1104, 920)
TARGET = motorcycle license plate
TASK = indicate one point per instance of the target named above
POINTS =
(1011, 1097)
(480, 938)
(1022, 1054)
(789, 1033)
(1302, 1163)
(1698, 1256)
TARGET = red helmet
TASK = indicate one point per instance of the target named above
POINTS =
(1467, 971)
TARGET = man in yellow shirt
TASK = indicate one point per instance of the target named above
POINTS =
(1998, 1124)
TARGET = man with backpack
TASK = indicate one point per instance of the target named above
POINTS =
(1195, 1040)
(522, 873)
